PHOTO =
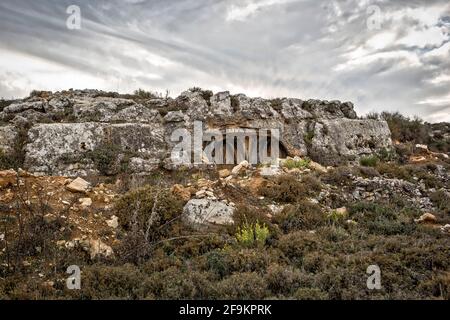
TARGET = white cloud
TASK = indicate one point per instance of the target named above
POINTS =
(242, 12)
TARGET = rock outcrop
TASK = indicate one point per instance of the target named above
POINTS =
(83, 132)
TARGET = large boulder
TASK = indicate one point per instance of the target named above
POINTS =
(200, 212)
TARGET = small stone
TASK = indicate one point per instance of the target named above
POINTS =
(49, 218)
(342, 211)
(317, 167)
(85, 202)
(426, 218)
(241, 166)
(7, 178)
(200, 194)
(96, 248)
(78, 185)
(182, 192)
(61, 243)
(48, 284)
(224, 173)
(113, 222)
(270, 171)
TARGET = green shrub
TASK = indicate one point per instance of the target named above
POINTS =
(296, 164)
(276, 104)
(104, 158)
(308, 137)
(370, 161)
(249, 235)
(142, 94)
(383, 218)
(441, 199)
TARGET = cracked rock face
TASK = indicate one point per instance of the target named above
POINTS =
(206, 211)
(81, 132)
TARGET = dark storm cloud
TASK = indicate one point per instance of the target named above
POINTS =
(301, 48)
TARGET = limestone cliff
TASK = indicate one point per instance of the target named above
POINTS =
(81, 132)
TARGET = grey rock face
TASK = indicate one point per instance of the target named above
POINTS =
(340, 140)
(75, 132)
(7, 138)
(205, 211)
(69, 149)
(50, 143)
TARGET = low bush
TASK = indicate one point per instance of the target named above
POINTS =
(296, 164)
(383, 218)
(288, 189)
(282, 280)
(107, 282)
(441, 199)
(339, 176)
(149, 210)
(310, 294)
(303, 215)
(369, 161)
(243, 286)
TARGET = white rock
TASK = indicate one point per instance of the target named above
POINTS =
(96, 248)
(317, 167)
(270, 171)
(275, 209)
(206, 211)
(78, 185)
(113, 222)
(237, 169)
(422, 146)
(85, 202)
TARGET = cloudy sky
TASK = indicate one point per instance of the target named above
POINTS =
(382, 55)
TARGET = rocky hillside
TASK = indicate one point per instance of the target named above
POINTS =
(86, 180)
(94, 132)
